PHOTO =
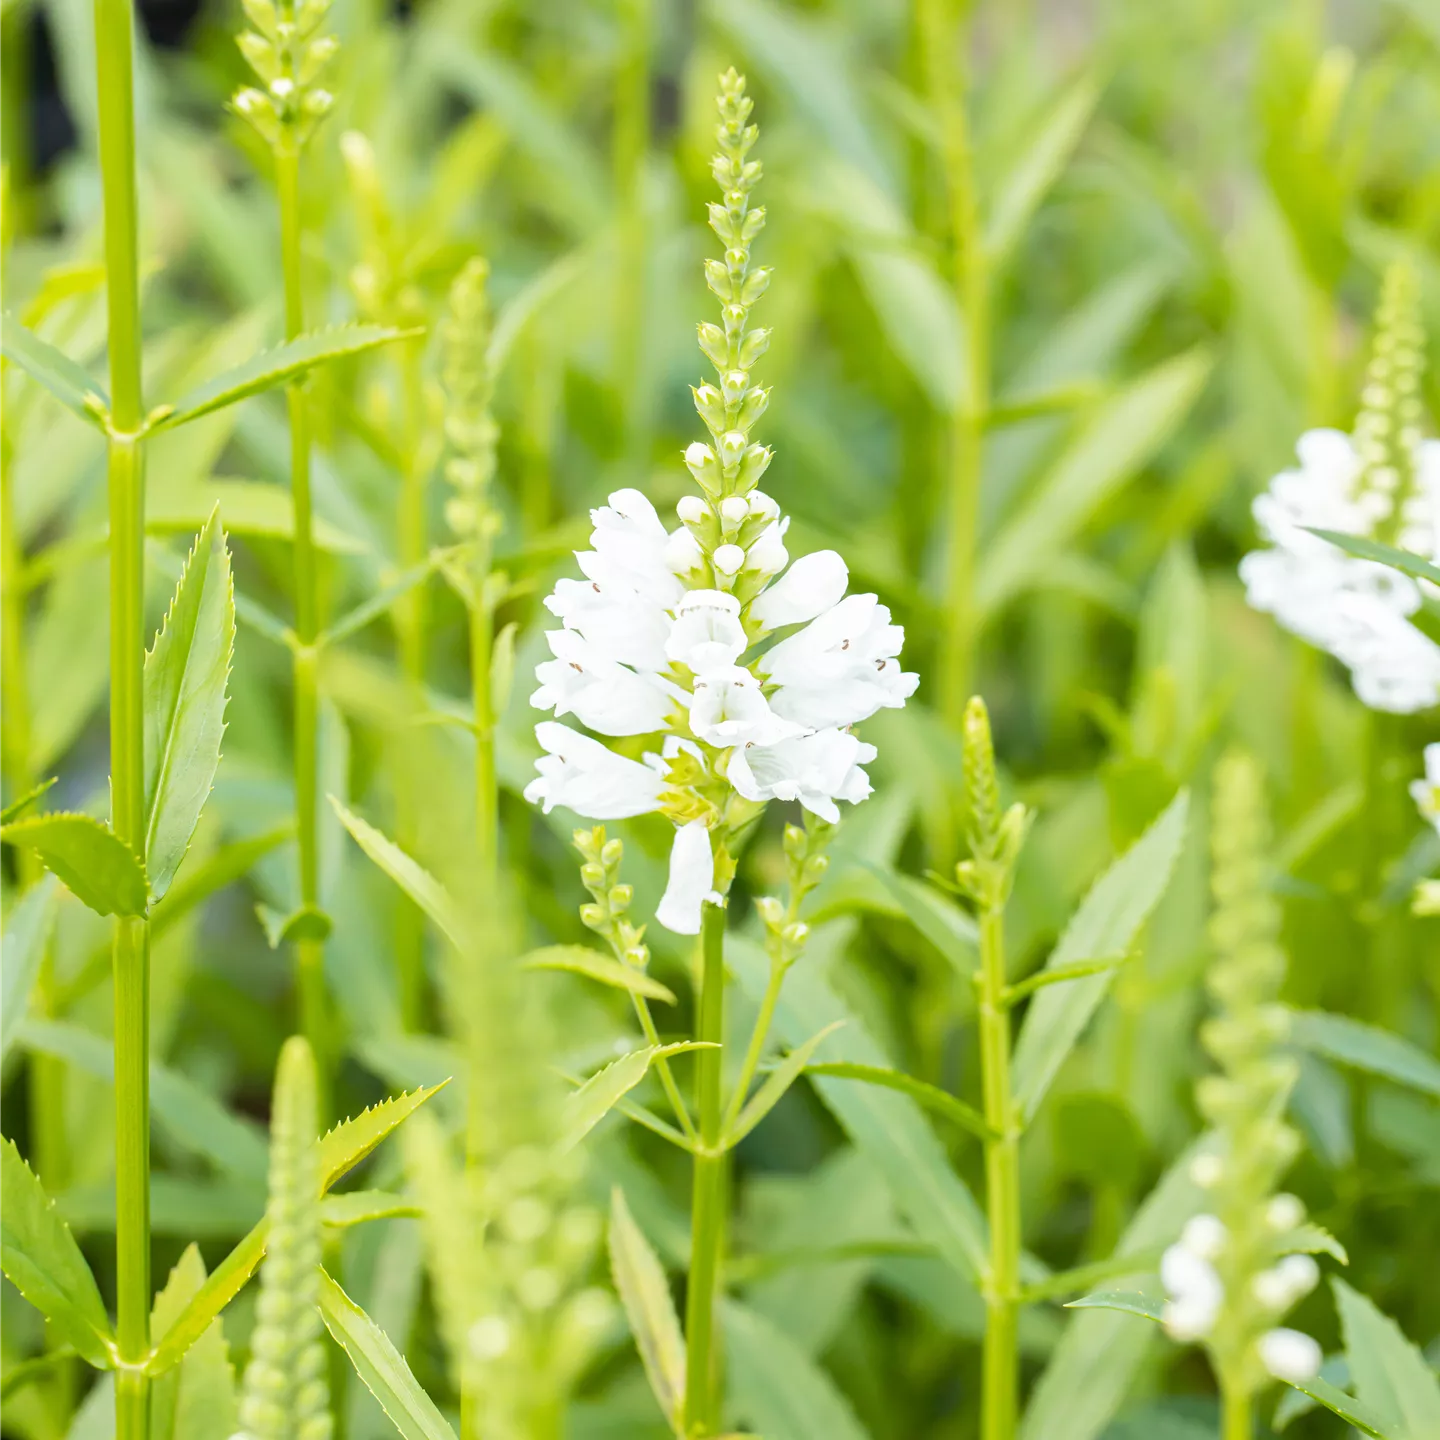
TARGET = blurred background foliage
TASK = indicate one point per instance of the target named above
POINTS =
(1187, 208)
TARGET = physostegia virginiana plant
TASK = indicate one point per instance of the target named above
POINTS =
(659, 640)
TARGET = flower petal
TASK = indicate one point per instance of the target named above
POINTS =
(692, 879)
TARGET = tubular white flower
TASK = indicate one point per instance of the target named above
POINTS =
(618, 622)
(730, 709)
(601, 694)
(841, 668)
(810, 586)
(630, 548)
(1289, 1355)
(707, 633)
(582, 775)
(1427, 791)
(817, 770)
(692, 879)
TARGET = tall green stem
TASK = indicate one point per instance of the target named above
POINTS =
(631, 141)
(116, 113)
(1236, 1421)
(971, 406)
(999, 1401)
(309, 954)
(487, 794)
(707, 1210)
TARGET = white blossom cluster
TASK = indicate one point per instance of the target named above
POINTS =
(1383, 484)
(662, 637)
(1193, 1271)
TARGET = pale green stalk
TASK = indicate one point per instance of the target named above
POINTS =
(116, 113)
(631, 142)
(968, 415)
(1236, 1420)
(708, 1192)
(309, 953)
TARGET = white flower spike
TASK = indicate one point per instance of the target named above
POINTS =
(654, 640)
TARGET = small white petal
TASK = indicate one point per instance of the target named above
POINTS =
(734, 510)
(692, 879)
(812, 585)
(728, 559)
(691, 509)
(579, 773)
(1290, 1355)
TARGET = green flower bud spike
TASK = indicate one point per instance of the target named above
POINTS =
(288, 57)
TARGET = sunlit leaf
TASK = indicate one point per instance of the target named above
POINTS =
(99, 868)
(645, 1293)
(591, 963)
(68, 382)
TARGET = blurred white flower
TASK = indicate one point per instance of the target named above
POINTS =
(1427, 791)
(1356, 609)
(1290, 1355)
(1193, 1291)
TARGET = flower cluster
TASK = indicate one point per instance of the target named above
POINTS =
(288, 55)
(660, 639)
(1383, 484)
(1234, 1271)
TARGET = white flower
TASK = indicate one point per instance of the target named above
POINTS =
(841, 668)
(1427, 791)
(768, 555)
(1356, 609)
(707, 633)
(1205, 1236)
(584, 776)
(600, 693)
(630, 549)
(619, 622)
(730, 709)
(814, 769)
(1194, 1292)
(692, 880)
(1279, 1287)
(811, 585)
(1290, 1355)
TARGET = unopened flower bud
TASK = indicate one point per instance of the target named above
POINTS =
(611, 853)
(733, 511)
(691, 508)
(728, 559)
(592, 876)
(761, 504)
(1284, 1213)
(753, 465)
(1205, 1236)
(592, 916)
(771, 911)
(796, 933)
(620, 897)
(1290, 1355)
(732, 447)
(732, 385)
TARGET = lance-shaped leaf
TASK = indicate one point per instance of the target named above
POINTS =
(1354, 1043)
(358, 1206)
(780, 1079)
(1107, 922)
(94, 862)
(1350, 1409)
(68, 382)
(941, 1102)
(17, 807)
(416, 881)
(43, 1262)
(27, 932)
(341, 1149)
(644, 1292)
(381, 1366)
(589, 1105)
(1129, 1302)
(272, 368)
(185, 675)
(196, 1400)
(1390, 1374)
(1363, 548)
(581, 960)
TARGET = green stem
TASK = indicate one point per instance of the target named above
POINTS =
(970, 413)
(1236, 1422)
(707, 1210)
(1000, 1365)
(662, 1066)
(309, 954)
(756, 1048)
(126, 485)
(487, 793)
(412, 617)
(631, 141)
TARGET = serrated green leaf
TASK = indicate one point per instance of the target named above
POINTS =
(1365, 1047)
(784, 1075)
(417, 882)
(1390, 1375)
(223, 1285)
(586, 1107)
(581, 960)
(68, 382)
(1118, 440)
(344, 1147)
(1107, 922)
(41, 1259)
(1313, 1239)
(273, 368)
(779, 1389)
(1348, 1408)
(1042, 159)
(21, 804)
(1130, 1302)
(185, 677)
(27, 932)
(356, 1207)
(99, 868)
(644, 1292)
(381, 1366)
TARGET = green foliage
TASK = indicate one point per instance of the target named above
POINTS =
(99, 868)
